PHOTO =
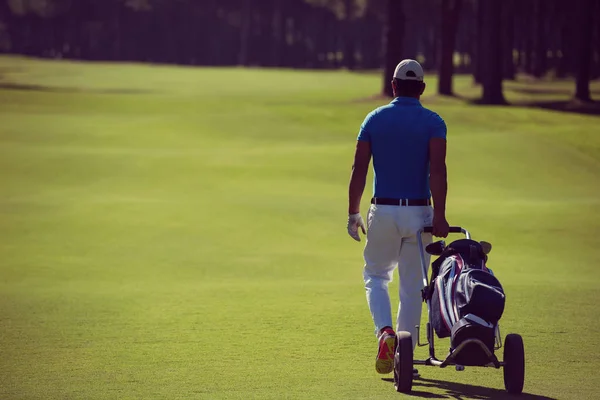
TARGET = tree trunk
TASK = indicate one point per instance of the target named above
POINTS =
(117, 42)
(300, 53)
(463, 39)
(585, 19)
(335, 40)
(9, 21)
(321, 45)
(508, 40)
(394, 32)
(528, 33)
(349, 45)
(552, 40)
(277, 38)
(435, 48)
(540, 47)
(412, 13)
(471, 39)
(596, 66)
(259, 44)
(492, 27)
(246, 20)
(359, 59)
(372, 44)
(518, 42)
(567, 39)
(349, 41)
(449, 18)
(478, 60)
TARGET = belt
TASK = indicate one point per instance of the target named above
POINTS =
(400, 202)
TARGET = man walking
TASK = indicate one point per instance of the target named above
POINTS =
(408, 145)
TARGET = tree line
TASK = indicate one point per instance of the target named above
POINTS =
(491, 39)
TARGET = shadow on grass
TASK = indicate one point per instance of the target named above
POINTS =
(567, 90)
(41, 88)
(479, 102)
(568, 106)
(543, 90)
(461, 391)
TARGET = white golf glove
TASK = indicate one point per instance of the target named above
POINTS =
(355, 221)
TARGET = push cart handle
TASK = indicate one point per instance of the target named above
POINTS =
(453, 229)
(424, 265)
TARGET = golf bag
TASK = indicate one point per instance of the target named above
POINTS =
(467, 300)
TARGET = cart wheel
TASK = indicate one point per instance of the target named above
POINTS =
(403, 363)
(514, 363)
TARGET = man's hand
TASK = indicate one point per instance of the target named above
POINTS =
(355, 221)
(440, 226)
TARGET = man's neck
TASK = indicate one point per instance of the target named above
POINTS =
(409, 97)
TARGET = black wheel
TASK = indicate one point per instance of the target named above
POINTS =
(403, 363)
(514, 363)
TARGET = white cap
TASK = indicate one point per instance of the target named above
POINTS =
(409, 70)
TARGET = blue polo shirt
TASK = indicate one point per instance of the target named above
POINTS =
(399, 134)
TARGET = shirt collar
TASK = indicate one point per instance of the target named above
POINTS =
(406, 101)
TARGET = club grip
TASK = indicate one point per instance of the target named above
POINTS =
(453, 229)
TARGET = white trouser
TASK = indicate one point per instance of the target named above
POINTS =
(392, 241)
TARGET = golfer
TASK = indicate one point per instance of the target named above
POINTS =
(408, 145)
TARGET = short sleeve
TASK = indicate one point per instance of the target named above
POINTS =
(438, 127)
(366, 128)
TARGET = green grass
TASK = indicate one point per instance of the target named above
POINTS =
(178, 233)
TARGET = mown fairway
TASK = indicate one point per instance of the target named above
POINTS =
(178, 233)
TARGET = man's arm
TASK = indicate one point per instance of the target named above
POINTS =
(439, 185)
(358, 179)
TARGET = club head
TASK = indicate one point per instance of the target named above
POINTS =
(486, 246)
(436, 248)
